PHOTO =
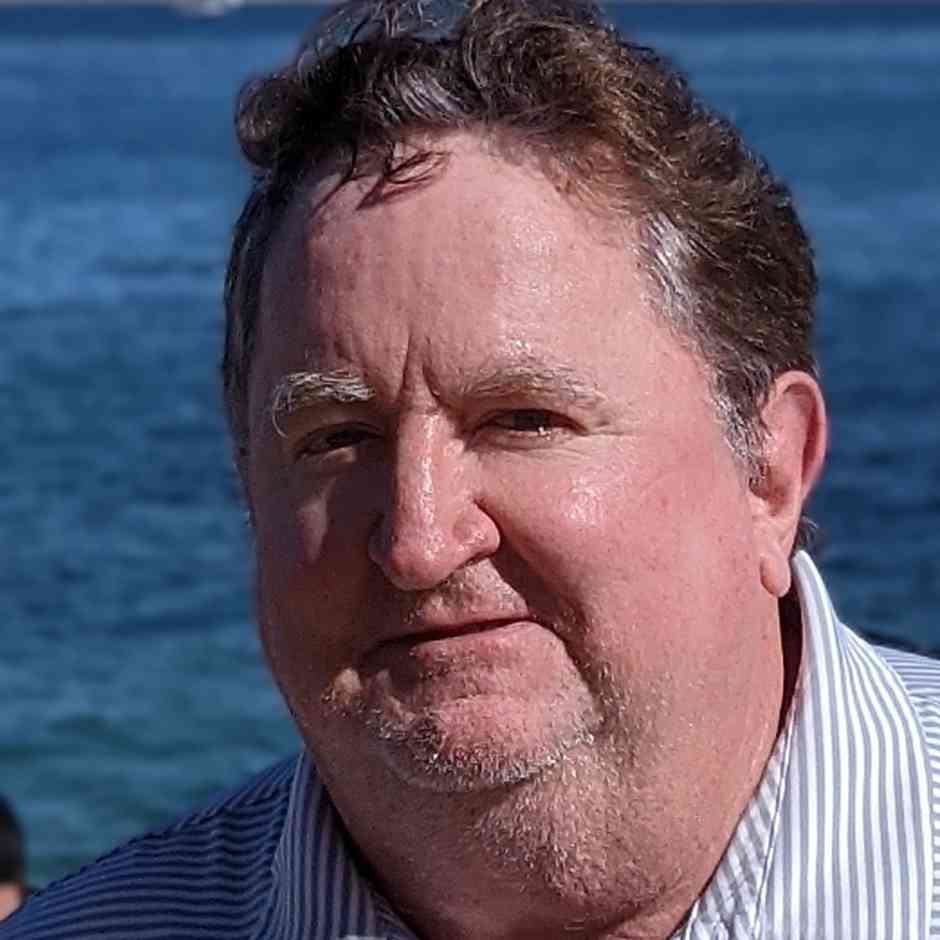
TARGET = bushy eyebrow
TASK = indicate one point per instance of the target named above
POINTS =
(515, 379)
(299, 390)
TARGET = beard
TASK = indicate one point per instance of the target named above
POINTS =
(463, 717)
(479, 739)
(422, 753)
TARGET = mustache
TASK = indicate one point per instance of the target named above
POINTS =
(476, 592)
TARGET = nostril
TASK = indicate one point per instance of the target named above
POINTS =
(412, 561)
(422, 554)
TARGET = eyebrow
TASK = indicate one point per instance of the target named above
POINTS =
(516, 378)
(299, 390)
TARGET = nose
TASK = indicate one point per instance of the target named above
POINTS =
(432, 523)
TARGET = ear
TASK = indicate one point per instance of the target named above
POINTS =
(795, 447)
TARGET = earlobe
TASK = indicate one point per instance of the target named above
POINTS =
(795, 446)
(775, 572)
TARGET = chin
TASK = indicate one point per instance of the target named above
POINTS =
(471, 745)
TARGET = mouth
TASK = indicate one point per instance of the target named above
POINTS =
(457, 660)
(454, 631)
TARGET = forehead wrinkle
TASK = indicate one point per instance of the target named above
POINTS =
(298, 390)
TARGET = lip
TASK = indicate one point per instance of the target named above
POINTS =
(441, 632)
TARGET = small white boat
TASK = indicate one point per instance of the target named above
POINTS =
(206, 7)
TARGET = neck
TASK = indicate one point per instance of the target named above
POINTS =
(560, 885)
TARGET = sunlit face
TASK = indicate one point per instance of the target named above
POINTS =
(498, 527)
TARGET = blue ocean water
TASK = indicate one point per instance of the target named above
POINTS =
(130, 679)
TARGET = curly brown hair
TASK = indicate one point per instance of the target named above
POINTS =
(616, 126)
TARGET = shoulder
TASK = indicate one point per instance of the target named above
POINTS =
(920, 677)
(919, 673)
(207, 874)
(914, 706)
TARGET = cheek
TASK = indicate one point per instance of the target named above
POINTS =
(321, 530)
(653, 575)
(584, 509)
(312, 574)
(641, 544)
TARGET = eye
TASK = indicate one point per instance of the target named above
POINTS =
(529, 421)
(335, 439)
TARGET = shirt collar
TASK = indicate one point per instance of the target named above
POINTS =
(854, 854)
(814, 840)
(319, 894)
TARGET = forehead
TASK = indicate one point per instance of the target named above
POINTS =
(475, 210)
(487, 258)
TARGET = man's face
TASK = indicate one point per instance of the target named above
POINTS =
(498, 527)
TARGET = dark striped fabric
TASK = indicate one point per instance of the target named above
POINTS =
(840, 841)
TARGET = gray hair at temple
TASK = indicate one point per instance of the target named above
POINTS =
(613, 124)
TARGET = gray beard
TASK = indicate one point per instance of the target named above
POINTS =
(418, 755)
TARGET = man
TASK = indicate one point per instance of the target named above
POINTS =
(13, 888)
(519, 379)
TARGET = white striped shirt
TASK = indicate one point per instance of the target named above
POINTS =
(841, 841)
